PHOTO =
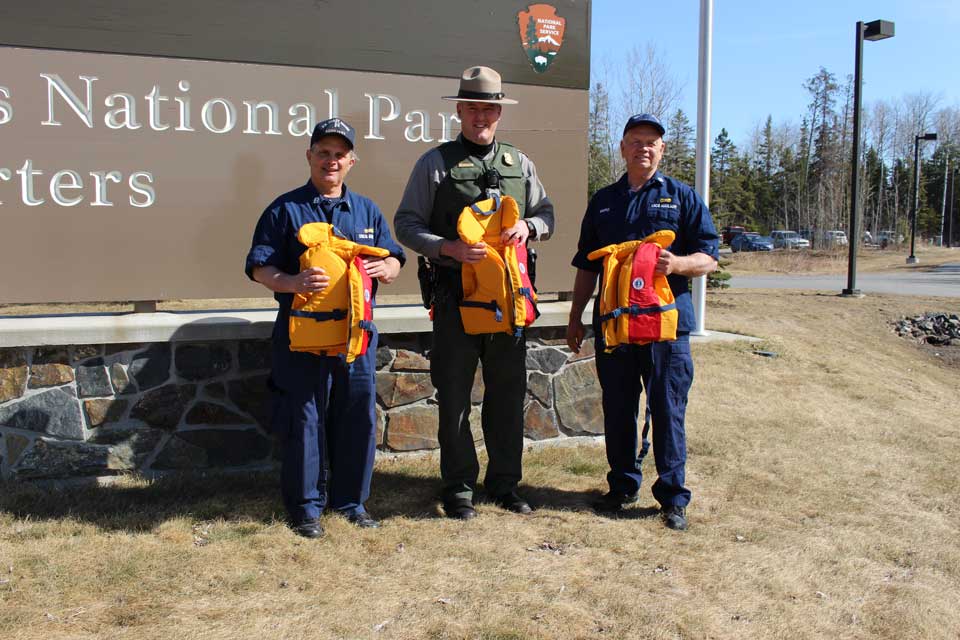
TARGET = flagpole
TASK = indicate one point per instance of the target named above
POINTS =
(702, 182)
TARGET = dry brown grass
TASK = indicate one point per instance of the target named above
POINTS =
(825, 506)
(835, 260)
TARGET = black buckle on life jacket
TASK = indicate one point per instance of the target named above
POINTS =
(636, 310)
(492, 306)
(333, 314)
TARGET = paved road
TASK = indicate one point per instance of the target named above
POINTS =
(943, 280)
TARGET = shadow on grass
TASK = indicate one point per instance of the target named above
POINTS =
(140, 505)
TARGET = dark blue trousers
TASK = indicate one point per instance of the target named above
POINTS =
(324, 416)
(664, 370)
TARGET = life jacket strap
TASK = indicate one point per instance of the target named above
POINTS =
(496, 207)
(333, 314)
(492, 306)
(528, 294)
(635, 310)
(366, 325)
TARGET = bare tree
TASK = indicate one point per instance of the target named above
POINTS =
(647, 84)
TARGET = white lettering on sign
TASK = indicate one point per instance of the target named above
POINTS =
(100, 179)
(26, 174)
(333, 104)
(141, 183)
(74, 100)
(5, 175)
(125, 115)
(419, 131)
(374, 100)
(184, 105)
(273, 115)
(84, 110)
(6, 109)
(302, 125)
(229, 112)
(446, 130)
(65, 184)
(153, 108)
(57, 186)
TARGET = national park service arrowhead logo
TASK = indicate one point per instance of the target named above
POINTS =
(541, 34)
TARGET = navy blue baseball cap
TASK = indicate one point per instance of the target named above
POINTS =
(644, 118)
(333, 126)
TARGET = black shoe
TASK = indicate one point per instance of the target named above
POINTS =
(512, 502)
(675, 517)
(613, 502)
(307, 528)
(460, 510)
(363, 520)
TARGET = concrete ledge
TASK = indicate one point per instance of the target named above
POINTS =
(203, 326)
(206, 326)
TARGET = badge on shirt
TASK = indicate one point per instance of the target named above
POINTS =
(508, 159)
(465, 163)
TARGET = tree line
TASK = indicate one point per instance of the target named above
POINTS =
(788, 175)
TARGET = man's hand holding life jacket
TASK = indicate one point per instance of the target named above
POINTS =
(463, 252)
(517, 233)
(693, 265)
(307, 281)
(385, 270)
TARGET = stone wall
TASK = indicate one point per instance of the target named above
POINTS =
(94, 410)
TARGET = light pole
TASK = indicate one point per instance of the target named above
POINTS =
(876, 30)
(912, 258)
(953, 196)
(943, 207)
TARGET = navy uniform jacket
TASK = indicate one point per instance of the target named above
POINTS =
(616, 215)
(275, 244)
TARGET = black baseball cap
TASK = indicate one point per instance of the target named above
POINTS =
(644, 118)
(333, 126)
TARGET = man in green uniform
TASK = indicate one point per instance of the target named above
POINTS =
(446, 179)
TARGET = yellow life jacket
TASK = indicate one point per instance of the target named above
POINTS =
(497, 293)
(636, 303)
(339, 319)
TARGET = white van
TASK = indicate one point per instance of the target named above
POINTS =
(783, 239)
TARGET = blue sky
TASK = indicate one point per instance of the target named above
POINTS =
(763, 51)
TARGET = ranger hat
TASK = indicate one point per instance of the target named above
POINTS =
(644, 118)
(480, 84)
(333, 126)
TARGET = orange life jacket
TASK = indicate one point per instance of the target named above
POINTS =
(497, 293)
(636, 304)
(339, 319)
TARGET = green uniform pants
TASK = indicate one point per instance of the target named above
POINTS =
(453, 364)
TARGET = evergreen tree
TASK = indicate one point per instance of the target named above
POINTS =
(678, 160)
(600, 164)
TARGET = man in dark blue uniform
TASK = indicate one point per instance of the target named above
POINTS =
(641, 202)
(323, 407)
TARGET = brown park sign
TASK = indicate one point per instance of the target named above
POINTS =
(138, 177)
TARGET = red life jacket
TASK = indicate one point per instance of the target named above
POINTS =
(636, 303)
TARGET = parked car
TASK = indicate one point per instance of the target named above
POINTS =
(783, 239)
(750, 241)
(889, 237)
(728, 233)
(836, 238)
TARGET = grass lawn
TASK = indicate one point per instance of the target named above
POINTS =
(835, 260)
(825, 505)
